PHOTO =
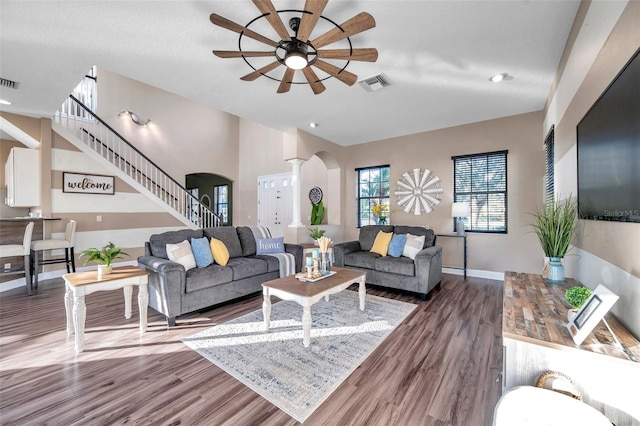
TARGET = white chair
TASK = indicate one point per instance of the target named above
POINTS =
(55, 244)
(14, 250)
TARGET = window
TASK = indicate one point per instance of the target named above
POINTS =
(373, 188)
(481, 181)
(221, 202)
(549, 174)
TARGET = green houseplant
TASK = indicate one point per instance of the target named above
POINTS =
(317, 213)
(555, 225)
(316, 233)
(103, 257)
(576, 296)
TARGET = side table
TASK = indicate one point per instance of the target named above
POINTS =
(464, 251)
(80, 284)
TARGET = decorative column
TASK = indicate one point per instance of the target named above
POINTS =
(296, 217)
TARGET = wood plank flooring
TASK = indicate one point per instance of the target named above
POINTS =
(440, 367)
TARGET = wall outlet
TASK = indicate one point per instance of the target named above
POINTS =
(7, 266)
(98, 218)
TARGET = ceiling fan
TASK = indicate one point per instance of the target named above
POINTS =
(298, 51)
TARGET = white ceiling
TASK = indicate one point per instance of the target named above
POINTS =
(439, 56)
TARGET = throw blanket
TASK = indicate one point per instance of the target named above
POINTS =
(287, 260)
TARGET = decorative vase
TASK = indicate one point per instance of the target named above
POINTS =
(104, 270)
(555, 271)
(382, 220)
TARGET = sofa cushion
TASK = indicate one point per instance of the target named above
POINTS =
(396, 246)
(396, 265)
(361, 259)
(381, 243)
(182, 254)
(273, 264)
(413, 245)
(245, 267)
(158, 242)
(201, 252)
(430, 236)
(247, 240)
(368, 234)
(229, 236)
(270, 245)
(212, 275)
(219, 251)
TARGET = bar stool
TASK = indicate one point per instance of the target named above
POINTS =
(54, 244)
(13, 250)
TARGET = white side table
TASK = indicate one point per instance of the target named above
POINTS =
(80, 284)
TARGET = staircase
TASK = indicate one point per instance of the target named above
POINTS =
(85, 130)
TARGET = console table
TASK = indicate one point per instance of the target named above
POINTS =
(464, 251)
(535, 339)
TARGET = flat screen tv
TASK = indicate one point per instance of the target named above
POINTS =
(609, 151)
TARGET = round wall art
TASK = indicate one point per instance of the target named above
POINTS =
(418, 192)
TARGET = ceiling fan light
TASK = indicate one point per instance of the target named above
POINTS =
(296, 60)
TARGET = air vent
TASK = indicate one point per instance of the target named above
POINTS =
(376, 82)
(8, 83)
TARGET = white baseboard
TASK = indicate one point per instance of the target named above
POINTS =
(476, 273)
(19, 282)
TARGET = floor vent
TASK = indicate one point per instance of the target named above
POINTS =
(376, 82)
(8, 83)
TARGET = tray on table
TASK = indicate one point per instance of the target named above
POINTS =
(303, 277)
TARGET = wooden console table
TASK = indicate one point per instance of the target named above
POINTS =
(535, 339)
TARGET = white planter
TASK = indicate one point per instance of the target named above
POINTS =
(104, 270)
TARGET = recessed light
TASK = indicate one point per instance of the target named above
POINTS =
(499, 77)
(5, 102)
(313, 125)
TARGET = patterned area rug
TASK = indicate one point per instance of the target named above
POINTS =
(276, 365)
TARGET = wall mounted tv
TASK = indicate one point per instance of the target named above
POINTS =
(609, 151)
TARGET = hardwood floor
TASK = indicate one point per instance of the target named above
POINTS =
(439, 367)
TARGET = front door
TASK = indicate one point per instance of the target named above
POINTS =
(275, 200)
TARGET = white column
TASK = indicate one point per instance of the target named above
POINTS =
(296, 217)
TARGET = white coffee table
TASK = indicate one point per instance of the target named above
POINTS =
(306, 294)
(80, 284)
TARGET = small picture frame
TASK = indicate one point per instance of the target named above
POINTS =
(87, 184)
(591, 312)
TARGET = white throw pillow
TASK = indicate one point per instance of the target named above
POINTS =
(413, 245)
(182, 254)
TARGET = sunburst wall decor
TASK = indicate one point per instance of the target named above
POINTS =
(419, 192)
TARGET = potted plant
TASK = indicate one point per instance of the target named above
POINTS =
(575, 297)
(380, 212)
(103, 257)
(316, 233)
(555, 226)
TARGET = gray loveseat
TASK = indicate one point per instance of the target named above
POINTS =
(419, 276)
(174, 291)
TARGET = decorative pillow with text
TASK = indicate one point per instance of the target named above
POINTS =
(270, 245)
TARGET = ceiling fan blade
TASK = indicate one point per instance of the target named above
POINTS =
(237, 28)
(313, 80)
(234, 54)
(361, 22)
(285, 83)
(343, 75)
(365, 55)
(267, 8)
(257, 73)
(309, 20)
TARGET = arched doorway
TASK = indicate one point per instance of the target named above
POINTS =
(213, 191)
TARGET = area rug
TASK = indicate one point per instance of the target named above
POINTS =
(276, 365)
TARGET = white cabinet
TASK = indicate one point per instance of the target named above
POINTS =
(22, 176)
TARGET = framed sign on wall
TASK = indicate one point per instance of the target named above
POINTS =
(87, 184)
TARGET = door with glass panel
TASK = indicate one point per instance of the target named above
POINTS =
(275, 200)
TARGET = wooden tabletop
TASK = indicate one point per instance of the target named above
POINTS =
(292, 285)
(536, 312)
(91, 277)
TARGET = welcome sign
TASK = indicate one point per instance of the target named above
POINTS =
(87, 184)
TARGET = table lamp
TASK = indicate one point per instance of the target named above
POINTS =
(459, 211)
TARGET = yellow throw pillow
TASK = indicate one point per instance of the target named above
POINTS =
(220, 252)
(381, 243)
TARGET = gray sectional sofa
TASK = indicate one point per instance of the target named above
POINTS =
(419, 275)
(174, 291)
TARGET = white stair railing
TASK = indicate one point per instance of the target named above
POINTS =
(94, 133)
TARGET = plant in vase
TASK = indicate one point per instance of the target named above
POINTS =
(316, 234)
(555, 226)
(103, 257)
(575, 297)
(317, 213)
(380, 212)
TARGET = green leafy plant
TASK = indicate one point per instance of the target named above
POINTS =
(316, 233)
(555, 226)
(576, 296)
(103, 256)
(317, 213)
